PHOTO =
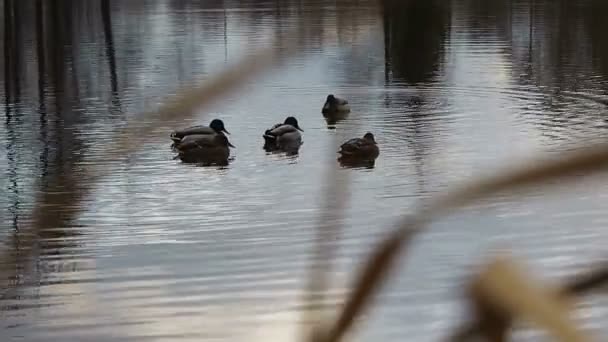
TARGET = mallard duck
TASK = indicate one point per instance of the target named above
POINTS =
(334, 105)
(284, 136)
(195, 133)
(207, 150)
(359, 149)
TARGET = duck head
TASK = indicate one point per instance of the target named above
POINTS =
(369, 136)
(218, 126)
(293, 122)
(222, 140)
(331, 99)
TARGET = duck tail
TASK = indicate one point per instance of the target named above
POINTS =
(269, 137)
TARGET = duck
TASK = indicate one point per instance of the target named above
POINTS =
(196, 133)
(215, 150)
(335, 105)
(284, 136)
(359, 149)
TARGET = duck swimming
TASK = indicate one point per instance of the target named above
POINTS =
(284, 136)
(335, 105)
(196, 133)
(359, 150)
(215, 150)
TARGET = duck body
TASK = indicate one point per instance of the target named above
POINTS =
(335, 106)
(194, 138)
(215, 150)
(270, 139)
(359, 149)
(284, 136)
(196, 133)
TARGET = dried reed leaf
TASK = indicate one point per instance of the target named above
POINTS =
(493, 322)
(585, 160)
(592, 280)
(506, 285)
(379, 263)
(182, 105)
(327, 233)
(139, 130)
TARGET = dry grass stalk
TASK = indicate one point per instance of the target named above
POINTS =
(595, 279)
(367, 282)
(137, 132)
(182, 106)
(327, 233)
(494, 323)
(378, 265)
(504, 287)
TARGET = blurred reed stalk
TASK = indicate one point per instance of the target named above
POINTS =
(74, 188)
(327, 234)
(368, 280)
(495, 312)
(586, 160)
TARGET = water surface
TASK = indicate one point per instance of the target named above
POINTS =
(167, 251)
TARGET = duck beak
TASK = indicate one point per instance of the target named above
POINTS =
(229, 144)
(299, 129)
(225, 131)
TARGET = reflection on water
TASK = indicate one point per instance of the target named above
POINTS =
(414, 39)
(165, 250)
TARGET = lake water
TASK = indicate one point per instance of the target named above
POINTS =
(164, 251)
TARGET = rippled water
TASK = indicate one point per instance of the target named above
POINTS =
(167, 251)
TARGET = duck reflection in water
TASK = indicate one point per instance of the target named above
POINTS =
(334, 118)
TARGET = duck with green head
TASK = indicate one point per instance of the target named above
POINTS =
(335, 106)
(359, 149)
(207, 150)
(198, 132)
(284, 136)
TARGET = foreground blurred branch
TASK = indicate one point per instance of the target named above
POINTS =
(493, 322)
(327, 233)
(136, 133)
(374, 272)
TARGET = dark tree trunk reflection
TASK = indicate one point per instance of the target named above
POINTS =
(12, 51)
(40, 55)
(414, 34)
(12, 57)
(110, 51)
